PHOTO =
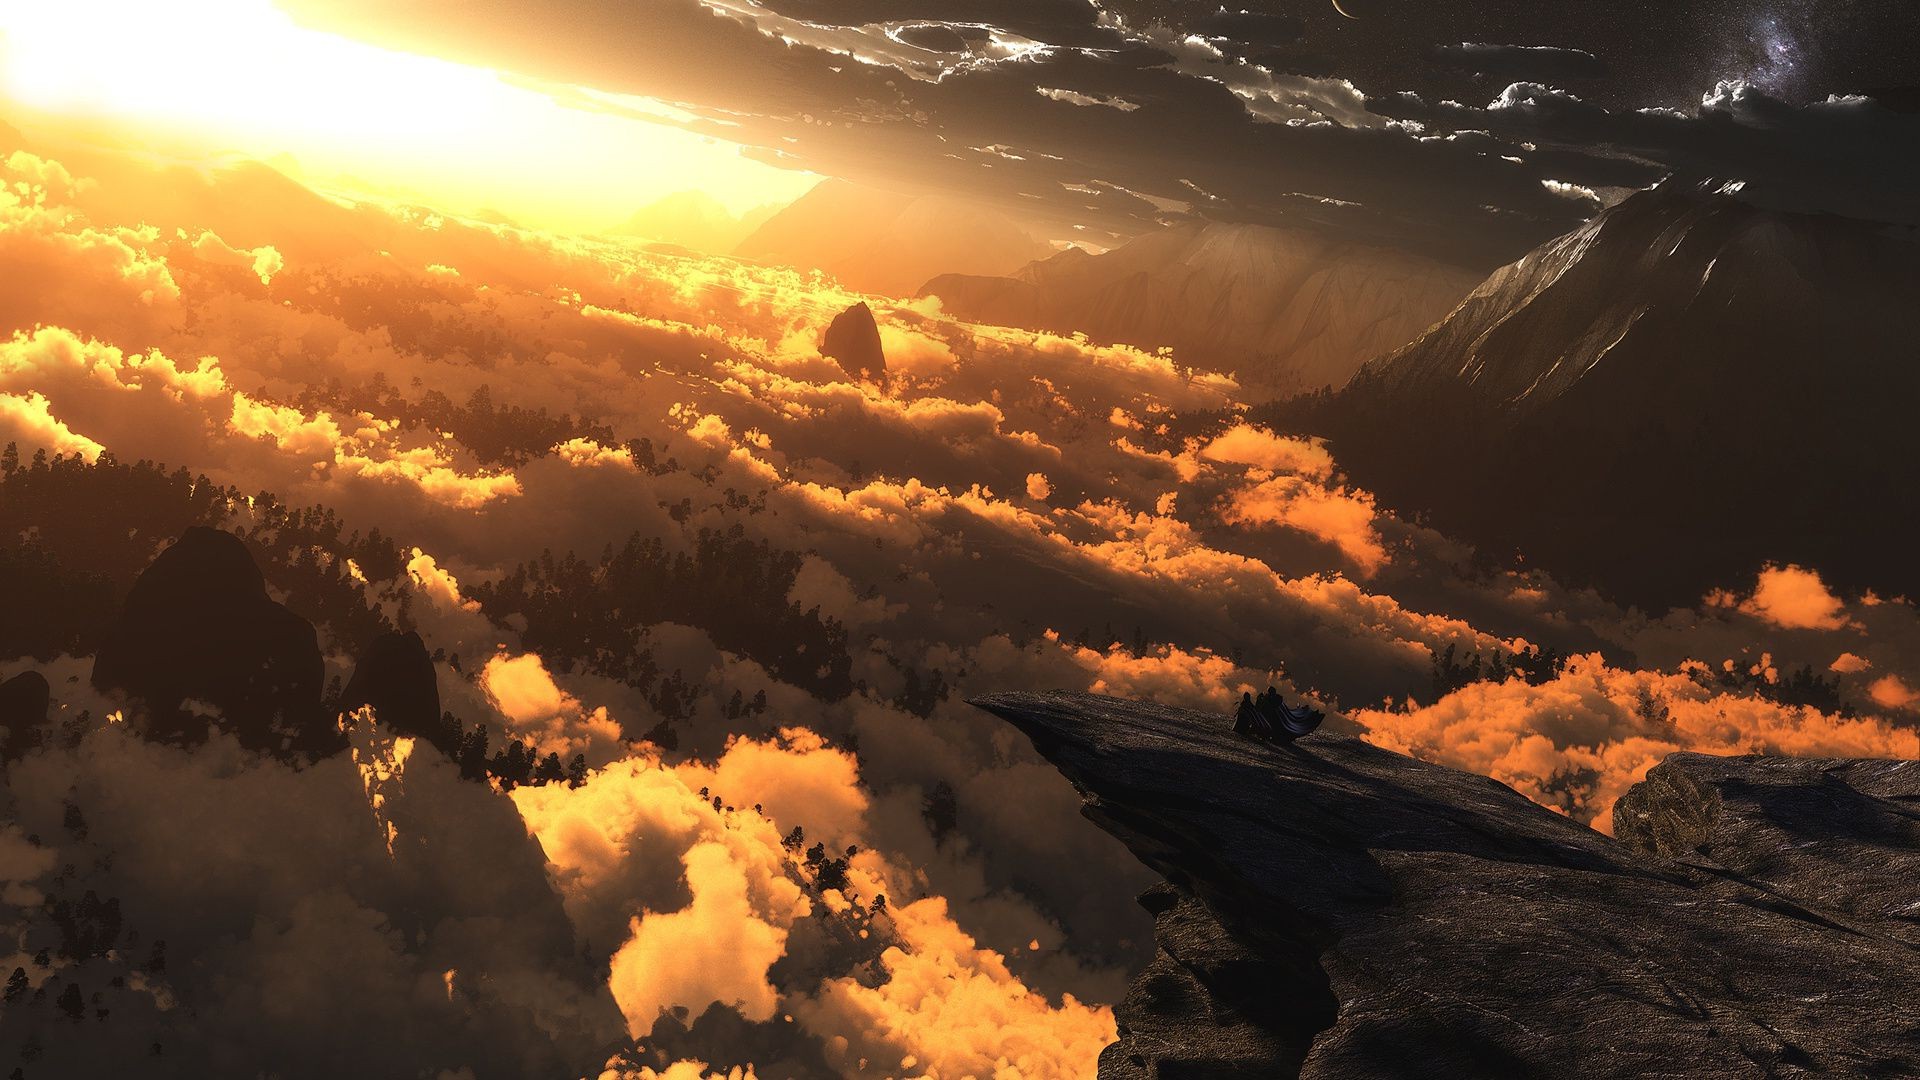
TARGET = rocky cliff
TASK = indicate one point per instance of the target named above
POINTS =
(1332, 909)
(201, 644)
(1679, 363)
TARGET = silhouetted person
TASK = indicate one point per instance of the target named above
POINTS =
(1270, 717)
(1250, 721)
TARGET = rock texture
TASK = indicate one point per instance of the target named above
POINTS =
(1681, 363)
(1839, 837)
(1333, 909)
(201, 644)
(395, 675)
(853, 341)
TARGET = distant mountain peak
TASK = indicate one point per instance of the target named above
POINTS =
(1287, 310)
(1663, 374)
(889, 243)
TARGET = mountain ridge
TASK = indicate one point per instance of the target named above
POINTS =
(1286, 310)
(1662, 375)
(886, 242)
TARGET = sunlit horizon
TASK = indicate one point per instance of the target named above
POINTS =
(240, 77)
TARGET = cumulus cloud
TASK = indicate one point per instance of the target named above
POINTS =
(949, 1008)
(1578, 742)
(1892, 692)
(714, 950)
(1245, 444)
(1338, 516)
(1794, 598)
(536, 709)
(26, 419)
(263, 262)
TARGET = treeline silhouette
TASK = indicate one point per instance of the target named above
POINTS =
(500, 436)
(79, 533)
(593, 613)
(1803, 687)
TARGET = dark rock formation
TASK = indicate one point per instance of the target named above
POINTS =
(1690, 356)
(395, 676)
(200, 644)
(23, 710)
(1333, 909)
(853, 342)
(1839, 837)
(1286, 310)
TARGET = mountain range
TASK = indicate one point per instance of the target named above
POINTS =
(1683, 388)
(694, 219)
(889, 243)
(1287, 310)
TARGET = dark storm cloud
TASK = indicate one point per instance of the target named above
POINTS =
(1251, 30)
(1849, 156)
(1514, 63)
(1070, 114)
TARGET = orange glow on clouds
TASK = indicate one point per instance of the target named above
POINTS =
(195, 76)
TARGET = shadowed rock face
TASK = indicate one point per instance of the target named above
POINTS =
(1668, 353)
(1333, 909)
(1840, 837)
(395, 676)
(853, 342)
(200, 642)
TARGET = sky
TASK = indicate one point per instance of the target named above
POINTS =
(239, 76)
(1469, 130)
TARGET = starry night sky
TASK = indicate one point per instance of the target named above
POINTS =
(1652, 52)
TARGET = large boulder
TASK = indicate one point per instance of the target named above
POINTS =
(395, 676)
(853, 342)
(201, 646)
(1333, 909)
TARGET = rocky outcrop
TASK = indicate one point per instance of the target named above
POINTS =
(1333, 909)
(1839, 837)
(201, 646)
(395, 676)
(1690, 357)
(853, 342)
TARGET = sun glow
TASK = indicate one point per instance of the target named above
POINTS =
(239, 75)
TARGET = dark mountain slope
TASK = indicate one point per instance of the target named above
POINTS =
(1287, 310)
(1680, 391)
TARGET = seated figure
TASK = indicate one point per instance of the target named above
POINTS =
(1270, 717)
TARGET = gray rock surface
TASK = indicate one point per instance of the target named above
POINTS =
(1838, 837)
(1333, 909)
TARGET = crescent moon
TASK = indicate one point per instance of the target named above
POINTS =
(1344, 11)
